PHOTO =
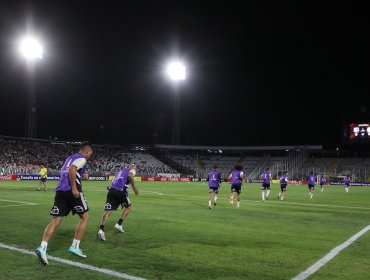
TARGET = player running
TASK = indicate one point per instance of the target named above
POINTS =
(347, 182)
(214, 181)
(283, 186)
(266, 177)
(69, 197)
(43, 176)
(311, 180)
(322, 183)
(236, 178)
(118, 195)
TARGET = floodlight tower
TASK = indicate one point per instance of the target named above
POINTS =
(31, 50)
(176, 71)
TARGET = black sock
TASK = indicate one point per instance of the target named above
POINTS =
(102, 227)
(120, 222)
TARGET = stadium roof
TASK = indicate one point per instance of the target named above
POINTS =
(239, 148)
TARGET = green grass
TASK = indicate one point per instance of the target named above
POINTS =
(176, 236)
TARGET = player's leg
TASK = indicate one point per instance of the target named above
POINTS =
(113, 200)
(127, 204)
(238, 201)
(210, 198)
(216, 197)
(58, 211)
(39, 188)
(104, 219)
(48, 232)
(232, 195)
(79, 232)
(79, 206)
(263, 192)
(283, 191)
(267, 191)
(311, 191)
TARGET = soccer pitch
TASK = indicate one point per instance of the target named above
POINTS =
(171, 233)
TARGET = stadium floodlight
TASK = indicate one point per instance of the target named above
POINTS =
(176, 71)
(31, 48)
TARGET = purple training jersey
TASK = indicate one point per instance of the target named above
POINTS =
(283, 180)
(311, 179)
(322, 180)
(79, 161)
(346, 180)
(214, 179)
(120, 182)
(236, 178)
(266, 177)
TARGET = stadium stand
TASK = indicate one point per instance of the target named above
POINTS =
(23, 157)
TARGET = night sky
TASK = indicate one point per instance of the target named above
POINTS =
(268, 75)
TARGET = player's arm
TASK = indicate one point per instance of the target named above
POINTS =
(208, 178)
(132, 183)
(242, 176)
(72, 174)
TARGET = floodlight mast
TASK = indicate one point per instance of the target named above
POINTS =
(31, 50)
(176, 72)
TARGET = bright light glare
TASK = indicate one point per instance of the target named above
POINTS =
(176, 71)
(30, 48)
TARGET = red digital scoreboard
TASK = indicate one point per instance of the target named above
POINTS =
(359, 132)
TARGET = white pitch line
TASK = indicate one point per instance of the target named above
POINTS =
(152, 192)
(16, 205)
(77, 264)
(24, 202)
(317, 265)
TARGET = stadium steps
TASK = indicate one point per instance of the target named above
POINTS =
(200, 164)
(333, 165)
(241, 160)
(259, 166)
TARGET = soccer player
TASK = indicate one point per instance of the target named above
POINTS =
(214, 181)
(266, 177)
(322, 183)
(118, 195)
(236, 178)
(43, 176)
(69, 197)
(347, 181)
(311, 180)
(283, 186)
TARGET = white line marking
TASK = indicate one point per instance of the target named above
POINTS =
(15, 205)
(77, 264)
(152, 192)
(317, 265)
(24, 202)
